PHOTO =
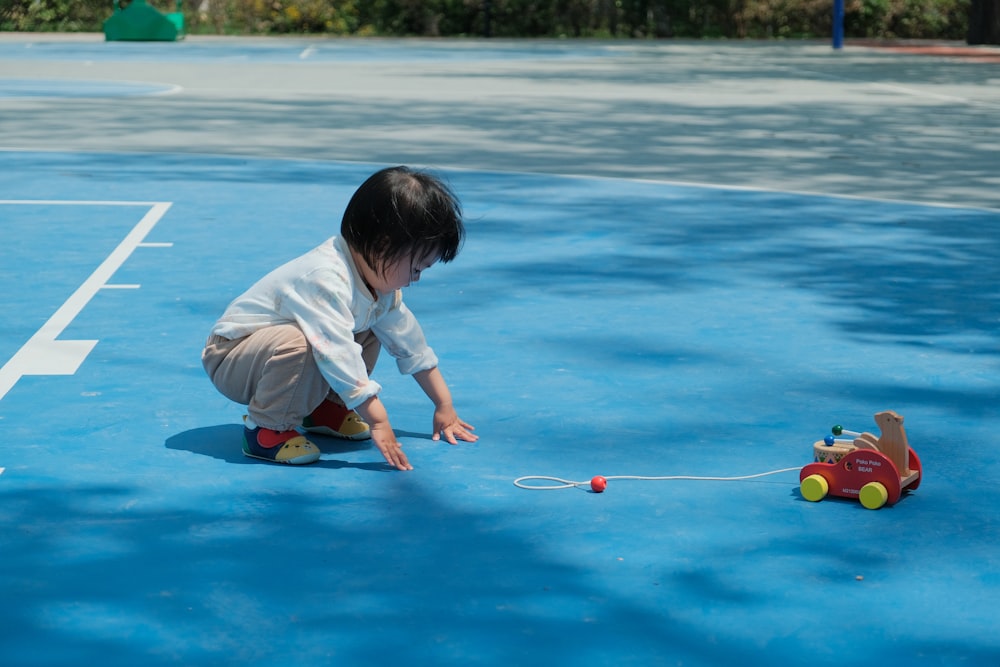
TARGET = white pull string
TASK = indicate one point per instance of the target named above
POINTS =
(568, 484)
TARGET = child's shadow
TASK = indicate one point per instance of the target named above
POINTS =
(223, 442)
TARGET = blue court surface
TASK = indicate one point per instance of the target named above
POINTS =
(590, 326)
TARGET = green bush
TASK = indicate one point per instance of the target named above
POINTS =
(907, 19)
(295, 16)
(53, 15)
(639, 19)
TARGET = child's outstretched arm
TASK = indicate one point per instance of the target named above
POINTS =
(446, 420)
(373, 412)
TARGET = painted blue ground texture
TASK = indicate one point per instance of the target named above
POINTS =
(588, 327)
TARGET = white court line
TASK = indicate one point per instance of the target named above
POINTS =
(902, 90)
(703, 185)
(43, 354)
(80, 202)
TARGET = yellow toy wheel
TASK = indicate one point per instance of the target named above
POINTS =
(873, 495)
(814, 488)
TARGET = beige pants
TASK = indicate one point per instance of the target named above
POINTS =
(274, 374)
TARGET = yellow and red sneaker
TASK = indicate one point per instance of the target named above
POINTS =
(333, 419)
(278, 446)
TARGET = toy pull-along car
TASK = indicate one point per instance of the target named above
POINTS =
(876, 471)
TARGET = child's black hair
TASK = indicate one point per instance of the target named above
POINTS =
(400, 211)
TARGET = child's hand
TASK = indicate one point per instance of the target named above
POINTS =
(448, 424)
(446, 421)
(385, 440)
(373, 412)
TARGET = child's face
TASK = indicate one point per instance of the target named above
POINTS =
(403, 273)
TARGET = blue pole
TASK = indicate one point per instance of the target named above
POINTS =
(838, 24)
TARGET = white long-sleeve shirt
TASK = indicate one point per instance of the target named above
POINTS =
(322, 293)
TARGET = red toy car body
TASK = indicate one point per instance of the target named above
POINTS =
(876, 471)
(860, 468)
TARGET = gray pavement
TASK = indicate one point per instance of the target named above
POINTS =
(794, 116)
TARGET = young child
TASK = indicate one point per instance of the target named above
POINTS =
(299, 346)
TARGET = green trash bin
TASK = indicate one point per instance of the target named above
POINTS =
(136, 20)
